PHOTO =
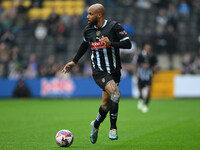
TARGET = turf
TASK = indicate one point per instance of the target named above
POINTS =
(31, 124)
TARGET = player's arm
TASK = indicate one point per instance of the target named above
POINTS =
(122, 36)
(136, 61)
(82, 49)
(155, 67)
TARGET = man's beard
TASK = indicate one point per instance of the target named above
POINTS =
(94, 22)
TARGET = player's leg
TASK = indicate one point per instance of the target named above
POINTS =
(147, 98)
(114, 93)
(145, 106)
(103, 110)
(148, 94)
(140, 100)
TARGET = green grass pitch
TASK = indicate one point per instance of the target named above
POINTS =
(31, 124)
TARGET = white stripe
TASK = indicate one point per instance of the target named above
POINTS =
(124, 39)
(84, 39)
(105, 22)
(92, 58)
(106, 60)
(98, 117)
(113, 55)
(98, 60)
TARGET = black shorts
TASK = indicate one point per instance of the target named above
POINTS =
(102, 78)
(143, 83)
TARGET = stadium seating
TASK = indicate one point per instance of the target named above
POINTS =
(163, 84)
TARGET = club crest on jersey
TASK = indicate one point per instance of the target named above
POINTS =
(98, 33)
(103, 80)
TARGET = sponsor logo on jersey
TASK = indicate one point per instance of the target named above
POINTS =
(99, 45)
(123, 32)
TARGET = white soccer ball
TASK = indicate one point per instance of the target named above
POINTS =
(64, 138)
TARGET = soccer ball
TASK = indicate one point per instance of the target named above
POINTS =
(64, 138)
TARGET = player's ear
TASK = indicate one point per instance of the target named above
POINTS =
(99, 15)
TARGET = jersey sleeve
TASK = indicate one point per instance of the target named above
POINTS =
(154, 61)
(120, 32)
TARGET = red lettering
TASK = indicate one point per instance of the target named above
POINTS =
(99, 45)
(56, 86)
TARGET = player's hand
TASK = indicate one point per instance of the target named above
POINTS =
(105, 40)
(68, 67)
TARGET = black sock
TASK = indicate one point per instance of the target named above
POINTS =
(113, 114)
(100, 117)
(147, 100)
(141, 97)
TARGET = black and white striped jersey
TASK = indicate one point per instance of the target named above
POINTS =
(104, 57)
(145, 64)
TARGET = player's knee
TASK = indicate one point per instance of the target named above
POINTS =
(115, 97)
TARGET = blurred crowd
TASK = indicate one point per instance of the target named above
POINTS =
(191, 64)
(164, 38)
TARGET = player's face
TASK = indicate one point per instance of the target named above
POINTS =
(148, 48)
(92, 17)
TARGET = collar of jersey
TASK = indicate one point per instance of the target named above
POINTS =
(105, 22)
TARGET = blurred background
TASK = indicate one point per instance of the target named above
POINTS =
(37, 37)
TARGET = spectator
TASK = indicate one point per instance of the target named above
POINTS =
(12, 12)
(19, 24)
(196, 65)
(21, 90)
(14, 71)
(42, 71)
(40, 31)
(161, 3)
(53, 22)
(32, 68)
(8, 38)
(2, 11)
(5, 23)
(160, 41)
(21, 10)
(172, 15)
(29, 30)
(15, 54)
(4, 53)
(53, 70)
(148, 35)
(2, 68)
(161, 19)
(144, 4)
(187, 64)
(62, 30)
(184, 9)
(66, 20)
(60, 44)
(171, 40)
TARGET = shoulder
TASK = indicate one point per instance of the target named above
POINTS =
(114, 24)
(111, 22)
(87, 28)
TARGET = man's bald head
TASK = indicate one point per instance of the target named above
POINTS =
(97, 8)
